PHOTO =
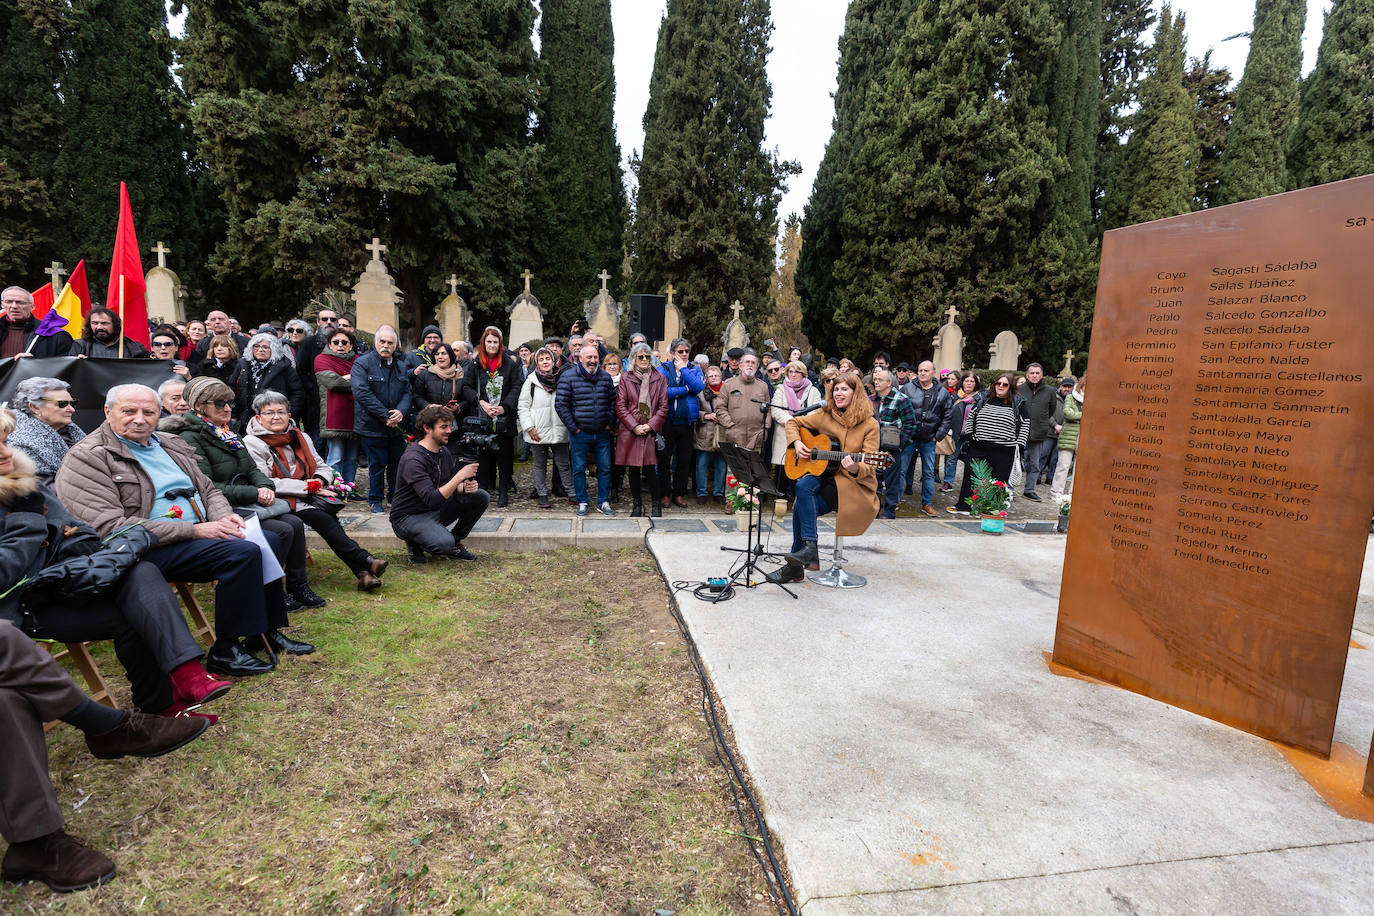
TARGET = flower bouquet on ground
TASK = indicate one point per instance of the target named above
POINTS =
(990, 495)
(739, 497)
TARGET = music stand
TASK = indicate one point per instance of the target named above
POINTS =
(752, 471)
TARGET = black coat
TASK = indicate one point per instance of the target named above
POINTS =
(280, 377)
(430, 389)
(228, 373)
(474, 389)
(59, 344)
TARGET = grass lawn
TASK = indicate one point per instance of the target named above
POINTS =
(518, 735)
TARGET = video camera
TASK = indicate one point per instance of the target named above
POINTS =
(478, 434)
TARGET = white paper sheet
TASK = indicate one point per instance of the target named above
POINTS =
(271, 569)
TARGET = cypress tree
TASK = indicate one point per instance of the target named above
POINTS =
(1214, 102)
(31, 133)
(1334, 138)
(948, 186)
(706, 208)
(581, 224)
(1124, 24)
(784, 325)
(326, 124)
(118, 95)
(871, 31)
(1159, 162)
(1254, 162)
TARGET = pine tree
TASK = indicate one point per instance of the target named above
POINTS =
(784, 325)
(706, 206)
(1214, 102)
(1334, 138)
(1254, 162)
(118, 95)
(949, 189)
(1124, 25)
(31, 133)
(871, 31)
(1159, 162)
(582, 221)
(325, 124)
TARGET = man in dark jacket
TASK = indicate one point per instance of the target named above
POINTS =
(100, 337)
(381, 388)
(216, 323)
(437, 503)
(934, 408)
(585, 401)
(17, 337)
(326, 322)
(1041, 401)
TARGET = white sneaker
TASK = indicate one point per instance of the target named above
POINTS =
(606, 510)
(581, 510)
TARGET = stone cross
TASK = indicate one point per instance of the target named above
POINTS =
(953, 313)
(376, 248)
(453, 284)
(670, 292)
(528, 277)
(162, 252)
(56, 273)
(603, 277)
(737, 308)
(1068, 364)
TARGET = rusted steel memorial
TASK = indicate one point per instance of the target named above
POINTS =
(1224, 487)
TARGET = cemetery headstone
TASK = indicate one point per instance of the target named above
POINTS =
(949, 344)
(603, 313)
(163, 286)
(1006, 352)
(455, 320)
(735, 335)
(526, 316)
(672, 322)
(375, 295)
(1223, 493)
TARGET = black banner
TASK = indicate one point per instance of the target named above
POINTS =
(89, 379)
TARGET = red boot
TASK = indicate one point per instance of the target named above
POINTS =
(192, 685)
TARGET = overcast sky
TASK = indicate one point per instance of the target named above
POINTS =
(805, 55)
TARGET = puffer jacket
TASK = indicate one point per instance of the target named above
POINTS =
(585, 403)
(1073, 421)
(378, 389)
(231, 470)
(538, 409)
(103, 484)
(683, 387)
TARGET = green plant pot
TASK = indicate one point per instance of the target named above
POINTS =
(994, 525)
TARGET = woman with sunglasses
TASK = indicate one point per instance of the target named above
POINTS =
(333, 374)
(43, 427)
(641, 406)
(995, 428)
(166, 343)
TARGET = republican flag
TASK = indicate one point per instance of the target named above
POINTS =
(125, 295)
(74, 304)
(42, 300)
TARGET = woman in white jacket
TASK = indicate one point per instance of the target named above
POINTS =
(795, 394)
(541, 427)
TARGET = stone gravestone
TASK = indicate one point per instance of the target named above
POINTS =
(1068, 365)
(949, 344)
(166, 299)
(603, 313)
(735, 335)
(1221, 510)
(375, 295)
(672, 323)
(1006, 352)
(454, 318)
(526, 316)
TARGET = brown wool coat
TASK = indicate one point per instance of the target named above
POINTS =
(741, 422)
(633, 451)
(858, 495)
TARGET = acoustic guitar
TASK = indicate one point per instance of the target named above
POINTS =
(825, 456)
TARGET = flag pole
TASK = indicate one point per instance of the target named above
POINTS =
(121, 316)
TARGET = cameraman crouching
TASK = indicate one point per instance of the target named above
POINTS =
(435, 506)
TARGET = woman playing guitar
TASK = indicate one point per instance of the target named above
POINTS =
(849, 485)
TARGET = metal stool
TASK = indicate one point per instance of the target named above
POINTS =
(836, 576)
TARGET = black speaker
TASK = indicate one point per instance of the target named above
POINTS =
(646, 315)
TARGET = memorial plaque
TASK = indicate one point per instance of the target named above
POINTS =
(1223, 489)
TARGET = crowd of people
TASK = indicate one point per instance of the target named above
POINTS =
(215, 475)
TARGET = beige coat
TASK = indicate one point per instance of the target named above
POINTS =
(102, 484)
(858, 495)
(741, 420)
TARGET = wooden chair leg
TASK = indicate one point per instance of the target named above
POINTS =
(201, 628)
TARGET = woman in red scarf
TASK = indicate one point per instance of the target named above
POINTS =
(491, 392)
(332, 372)
(285, 454)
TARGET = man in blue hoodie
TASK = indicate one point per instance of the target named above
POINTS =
(685, 382)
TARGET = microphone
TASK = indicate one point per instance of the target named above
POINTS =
(806, 410)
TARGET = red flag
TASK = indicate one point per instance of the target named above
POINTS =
(42, 300)
(77, 281)
(125, 264)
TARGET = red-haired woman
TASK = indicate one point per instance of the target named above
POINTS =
(491, 392)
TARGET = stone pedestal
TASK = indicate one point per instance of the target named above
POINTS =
(165, 296)
(1006, 353)
(375, 295)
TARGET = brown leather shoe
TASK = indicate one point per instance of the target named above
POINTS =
(59, 861)
(376, 566)
(142, 735)
(368, 582)
(928, 509)
(666, 501)
(680, 501)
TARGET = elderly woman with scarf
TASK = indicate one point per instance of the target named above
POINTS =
(641, 406)
(794, 394)
(287, 457)
(43, 427)
(543, 430)
(224, 459)
(491, 391)
(438, 380)
(266, 367)
(709, 458)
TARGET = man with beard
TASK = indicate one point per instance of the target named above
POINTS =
(742, 405)
(437, 502)
(101, 335)
(17, 337)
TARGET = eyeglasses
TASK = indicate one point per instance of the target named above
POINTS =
(643, 356)
(341, 342)
(683, 352)
(330, 320)
(1002, 385)
(275, 413)
(61, 402)
(164, 343)
(220, 405)
(296, 331)
(14, 302)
